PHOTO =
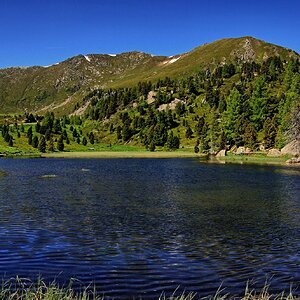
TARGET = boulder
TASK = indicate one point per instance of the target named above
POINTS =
(243, 150)
(151, 97)
(292, 148)
(294, 160)
(172, 105)
(221, 153)
(274, 152)
(261, 147)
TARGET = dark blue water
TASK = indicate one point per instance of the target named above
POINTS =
(137, 227)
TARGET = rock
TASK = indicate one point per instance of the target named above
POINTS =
(293, 148)
(294, 160)
(233, 149)
(243, 150)
(261, 147)
(274, 152)
(240, 150)
(163, 107)
(151, 97)
(175, 102)
(221, 153)
(172, 105)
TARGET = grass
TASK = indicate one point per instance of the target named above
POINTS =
(121, 154)
(23, 289)
(257, 158)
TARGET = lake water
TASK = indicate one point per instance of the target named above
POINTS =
(137, 227)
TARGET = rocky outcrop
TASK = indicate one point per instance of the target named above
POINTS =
(293, 148)
(172, 105)
(294, 160)
(221, 153)
(151, 97)
(274, 152)
(243, 150)
(244, 53)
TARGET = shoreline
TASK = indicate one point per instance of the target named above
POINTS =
(255, 159)
(259, 159)
(122, 154)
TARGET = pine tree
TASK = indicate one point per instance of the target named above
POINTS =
(10, 142)
(119, 133)
(51, 144)
(258, 103)
(232, 114)
(6, 137)
(92, 138)
(35, 142)
(60, 144)
(293, 131)
(22, 128)
(42, 144)
(188, 132)
(37, 127)
(84, 141)
(126, 132)
(270, 132)
(152, 147)
(249, 136)
(222, 140)
(29, 132)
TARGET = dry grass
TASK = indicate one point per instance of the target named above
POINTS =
(123, 154)
(24, 289)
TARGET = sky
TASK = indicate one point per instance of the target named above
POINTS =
(44, 32)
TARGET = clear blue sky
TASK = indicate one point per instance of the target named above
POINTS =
(43, 32)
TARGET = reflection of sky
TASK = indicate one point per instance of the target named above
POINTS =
(150, 224)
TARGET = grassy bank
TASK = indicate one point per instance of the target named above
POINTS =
(25, 290)
(258, 158)
(121, 154)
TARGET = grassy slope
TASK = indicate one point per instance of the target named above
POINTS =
(36, 87)
(205, 55)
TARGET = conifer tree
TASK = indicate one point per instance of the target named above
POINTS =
(10, 142)
(84, 141)
(188, 132)
(60, 144)
(258, 103)
(35, 142)
(232, 114)
(51, 144)
(42, 144)
(269, 130)
(249, 136)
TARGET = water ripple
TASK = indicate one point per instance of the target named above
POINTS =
(142, 227)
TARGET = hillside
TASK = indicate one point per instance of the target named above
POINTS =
(238, 94)
(61, 86)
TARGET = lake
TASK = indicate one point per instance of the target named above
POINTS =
(137, 227)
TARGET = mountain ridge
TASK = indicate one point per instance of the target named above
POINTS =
(33, 88)
(149, 54)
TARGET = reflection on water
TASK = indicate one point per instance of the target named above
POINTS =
(140, 226)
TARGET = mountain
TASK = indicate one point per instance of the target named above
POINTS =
(62, 86)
